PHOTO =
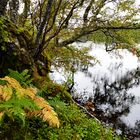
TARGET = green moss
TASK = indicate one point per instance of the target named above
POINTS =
(75, 125)
(20, 30)
(53, 89)
(4, 34)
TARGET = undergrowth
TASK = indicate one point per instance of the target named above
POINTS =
(74, 123)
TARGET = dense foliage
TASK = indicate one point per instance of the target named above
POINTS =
(33, 36)
(120, 39)
(37, 35)
(17, 101)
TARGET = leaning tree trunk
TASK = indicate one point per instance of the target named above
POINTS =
(16, 52)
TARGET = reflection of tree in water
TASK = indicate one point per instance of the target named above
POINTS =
(131, 133)
(112, 100)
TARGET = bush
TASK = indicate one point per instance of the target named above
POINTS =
(74, 125)
(20, 106)
(18, 103)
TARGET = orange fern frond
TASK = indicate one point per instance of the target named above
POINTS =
(1, 114)
(51, 117)
(13, 83)
(20, 91)
(31, 92)
(7, 92)
(1, 90)
(47, 114)
(42, 103)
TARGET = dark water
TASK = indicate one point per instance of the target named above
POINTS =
(113, 86)
(116, 105)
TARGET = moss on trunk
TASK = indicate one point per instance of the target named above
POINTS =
(16, 47)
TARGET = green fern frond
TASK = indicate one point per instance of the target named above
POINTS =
(17, 112)
(57, 103)
(23, 78)
(16, 107)
(3, 82)
(19, 102)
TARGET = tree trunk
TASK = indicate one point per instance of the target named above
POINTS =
(3, 4)
(17, 55)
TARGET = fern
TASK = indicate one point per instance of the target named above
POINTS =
(47, 112)
(23, 78)
(19, 102)
(16, 108)
(3, 82)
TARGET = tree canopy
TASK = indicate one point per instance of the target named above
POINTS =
(29, 28)
(36, 34)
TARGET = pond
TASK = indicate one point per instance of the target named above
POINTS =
(113, 86)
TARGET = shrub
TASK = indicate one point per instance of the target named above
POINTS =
(19, 102)
(26, 116)
(75, 125)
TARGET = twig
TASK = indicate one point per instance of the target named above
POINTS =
(87, 112)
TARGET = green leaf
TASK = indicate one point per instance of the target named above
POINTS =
(3, 82)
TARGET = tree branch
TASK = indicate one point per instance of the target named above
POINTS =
(85, 16)
(123, 27)
(53, 22)
(58, 30)
(43, 24)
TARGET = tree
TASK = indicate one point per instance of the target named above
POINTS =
(43, 24)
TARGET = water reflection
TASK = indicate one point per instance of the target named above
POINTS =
(112, 100)
(113, 88)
